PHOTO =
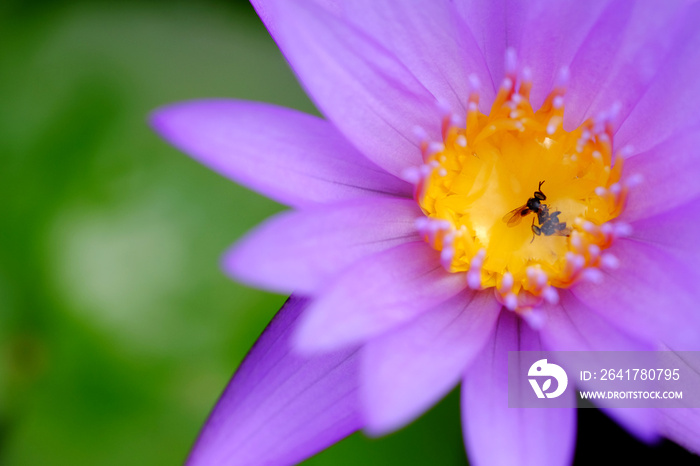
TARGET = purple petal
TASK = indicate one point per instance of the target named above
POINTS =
(625, 67)
(613, 50)
(376, 294)
(651, 295)
(643, 423)
(682, 425)
(492, 25)
(591, 64)
(406, 371)
(571, 326)
(498, 435)
(550, 35)
(669, 104)
(369, 95)
(670, 170)
(300, 251)
(545, 35)
(432, 41)
(280, 408)
(673, 231)
(270, 14)
(294, 158)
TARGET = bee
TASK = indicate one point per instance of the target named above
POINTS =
(533, 205)
(549, 224)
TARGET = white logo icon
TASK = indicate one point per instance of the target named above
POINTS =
(542, 368)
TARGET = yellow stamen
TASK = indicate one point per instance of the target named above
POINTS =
(477, 175)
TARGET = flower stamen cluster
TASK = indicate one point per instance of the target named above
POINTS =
(475, 184)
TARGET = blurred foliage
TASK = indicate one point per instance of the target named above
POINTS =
(118, 330)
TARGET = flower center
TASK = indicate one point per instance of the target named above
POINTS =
(518, 202)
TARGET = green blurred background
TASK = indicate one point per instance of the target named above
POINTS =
(118, 330)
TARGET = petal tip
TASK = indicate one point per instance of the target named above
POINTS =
(235, 263)
(379, 429)
(172, 119)
(379, 422)
(158, 120)
(232, 264)
(166, 120)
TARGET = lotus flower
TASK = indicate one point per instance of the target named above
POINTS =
(489, 176)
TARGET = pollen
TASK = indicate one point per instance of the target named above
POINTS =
(517, 202)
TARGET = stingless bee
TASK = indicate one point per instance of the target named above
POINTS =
(549, 224)
(533, 205)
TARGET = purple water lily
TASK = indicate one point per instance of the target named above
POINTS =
(490, 176)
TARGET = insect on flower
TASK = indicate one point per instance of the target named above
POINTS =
(407, 279)
(533, 205)
(549, 223)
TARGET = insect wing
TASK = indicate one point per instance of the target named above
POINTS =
(513, 217)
